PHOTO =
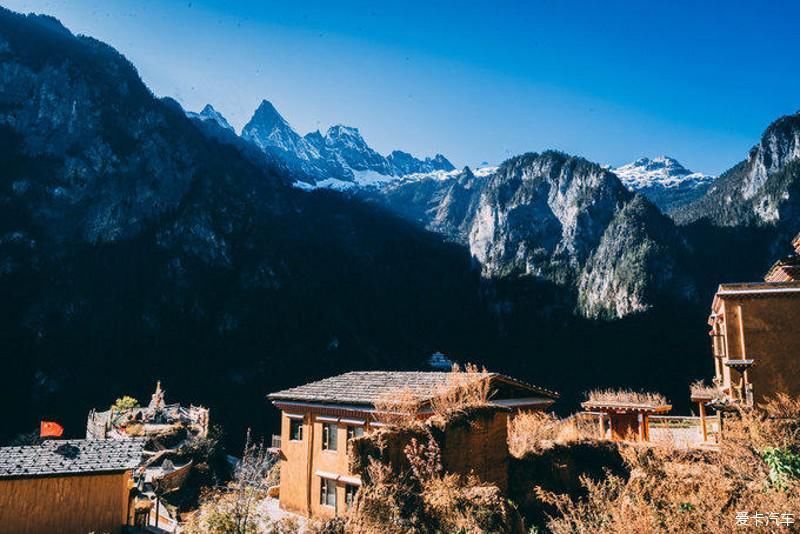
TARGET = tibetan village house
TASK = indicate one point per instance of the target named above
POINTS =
(319, 419)
(68, 486)
(157, 419)
(755, 335)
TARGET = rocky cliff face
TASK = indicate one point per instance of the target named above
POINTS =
(557, 218)
(761, 190)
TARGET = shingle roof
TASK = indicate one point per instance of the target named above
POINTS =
(366, 387)
(70, 456)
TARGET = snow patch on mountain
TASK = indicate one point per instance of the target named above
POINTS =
(210, 114)
(664, 181)
(340, 155)
(663, 170)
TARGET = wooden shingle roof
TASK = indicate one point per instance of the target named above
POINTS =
(71, 456)
(367, 387)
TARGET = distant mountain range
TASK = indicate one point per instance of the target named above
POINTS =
(337, 159)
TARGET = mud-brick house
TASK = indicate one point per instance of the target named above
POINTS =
(69, 486)
(319, 419)
(755, 335)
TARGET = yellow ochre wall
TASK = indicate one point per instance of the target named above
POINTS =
(65, 504)
(766, 330)
(297, 474)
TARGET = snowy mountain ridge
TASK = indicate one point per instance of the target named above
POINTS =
(339, 157)
(664, 181)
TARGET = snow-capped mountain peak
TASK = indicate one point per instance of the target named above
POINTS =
(339, 156)
(210, 114)
(664, 181)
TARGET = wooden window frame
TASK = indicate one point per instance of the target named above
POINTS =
(330, 437)
(295, 424)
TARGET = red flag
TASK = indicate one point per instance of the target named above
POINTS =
(51, 429)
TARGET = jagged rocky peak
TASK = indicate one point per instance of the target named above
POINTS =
(779, 146)
(542, 214)
(405, 164)
(760, 189)
(268, 129)
(210, 114)
(267, 116)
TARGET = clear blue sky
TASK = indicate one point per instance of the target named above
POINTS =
(611, 81)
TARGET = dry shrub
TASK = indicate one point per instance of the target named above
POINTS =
(387, 503)
(465, 388)
(626, 397)
(398, 408)
(531, 432)
(756, 470)
(425, 499)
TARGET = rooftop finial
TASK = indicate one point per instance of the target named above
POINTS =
(157, 400)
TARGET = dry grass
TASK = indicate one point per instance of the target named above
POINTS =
(756, 470)
(536, 431)
(398, 408)
(700, 390)
(625, 397)
(466, 387)
(426, 499)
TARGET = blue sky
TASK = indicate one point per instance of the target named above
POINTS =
(611, 81)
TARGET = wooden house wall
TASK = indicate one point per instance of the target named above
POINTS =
(770, 335)
(65, 504)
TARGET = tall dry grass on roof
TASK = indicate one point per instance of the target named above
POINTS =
(700, 390)
(398, 408)
(625, 397)
(465, 388)
(533, 432)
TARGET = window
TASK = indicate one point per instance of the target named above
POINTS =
(350, 495)
(329, 437)
(296, 429)
(354, 432)
(327, 494)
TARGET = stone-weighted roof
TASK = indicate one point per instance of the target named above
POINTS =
(71, 456)
(367, 387)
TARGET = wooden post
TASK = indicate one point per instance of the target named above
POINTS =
(602, 426)
(703, 420)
